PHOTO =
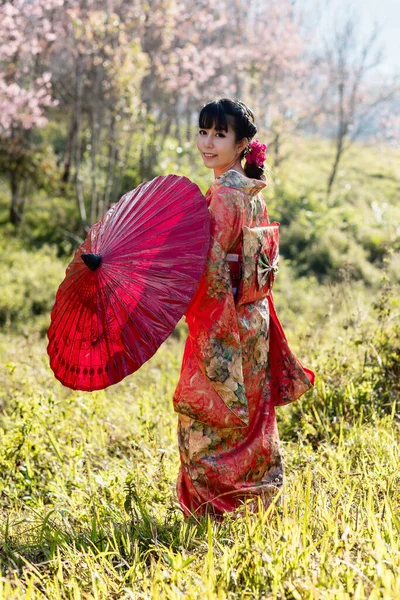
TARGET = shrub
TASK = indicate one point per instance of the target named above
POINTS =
(29, 281)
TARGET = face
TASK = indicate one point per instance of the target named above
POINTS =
(218, 148)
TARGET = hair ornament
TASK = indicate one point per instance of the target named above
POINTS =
(256, 153)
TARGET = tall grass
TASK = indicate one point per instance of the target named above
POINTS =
(88, 480)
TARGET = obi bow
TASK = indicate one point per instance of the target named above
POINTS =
(267, 265)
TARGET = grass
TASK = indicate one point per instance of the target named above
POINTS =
(87, 481)
(88, 484)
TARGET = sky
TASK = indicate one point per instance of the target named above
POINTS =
(385, 12)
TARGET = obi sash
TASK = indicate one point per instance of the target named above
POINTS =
(254, 265)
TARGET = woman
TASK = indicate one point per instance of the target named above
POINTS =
(237, 365)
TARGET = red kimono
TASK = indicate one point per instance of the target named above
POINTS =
(237, 365)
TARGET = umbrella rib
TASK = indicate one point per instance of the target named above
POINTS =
(123, 209)
(158, 258)
(164, 295)
(72, 298)
(100, 302)
(156, 274)
(75, 331)
(85, 316)
(146, 308)
(127, 349)
(91, 338)
(122, 303)
(69, 300)
(89, 388)
(111, 354)
(85, 313)
(135, 215)
(147, 283)
(138, 253)
(90, 349)
(153, 225)
(105, 225)
(149, 340)
(117, 247)
(137, 197)
(70, 278)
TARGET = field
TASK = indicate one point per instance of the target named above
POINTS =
(88, 504)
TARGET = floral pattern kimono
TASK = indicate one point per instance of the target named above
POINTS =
(237, 365)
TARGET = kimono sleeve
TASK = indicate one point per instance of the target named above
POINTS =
(211, 316)
(227, 216)
(226, 209)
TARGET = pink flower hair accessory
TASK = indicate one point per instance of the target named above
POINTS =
(256, 153)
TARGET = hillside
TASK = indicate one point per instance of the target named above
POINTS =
(87, 480)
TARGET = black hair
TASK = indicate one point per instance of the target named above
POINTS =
(215, 114)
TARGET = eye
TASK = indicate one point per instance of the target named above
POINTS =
(201, 131)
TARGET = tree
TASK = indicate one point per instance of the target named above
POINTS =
(276, 71)
(354, 97)
(98, 67)
(25, 92)
(190, 49)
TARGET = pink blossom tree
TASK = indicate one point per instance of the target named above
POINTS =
(98, 67)
(276, 69)
(25, 91)
(248, 50)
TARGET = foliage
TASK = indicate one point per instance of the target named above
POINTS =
(357, 359)
(26, 94)
(351, 232)
(28, 284)
(87, 480)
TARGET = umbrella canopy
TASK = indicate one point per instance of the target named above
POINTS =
(129, 283)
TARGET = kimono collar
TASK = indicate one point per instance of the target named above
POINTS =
(234, 179)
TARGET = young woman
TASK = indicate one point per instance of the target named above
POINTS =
(237, 366)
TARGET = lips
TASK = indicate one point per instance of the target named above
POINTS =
(207, 155)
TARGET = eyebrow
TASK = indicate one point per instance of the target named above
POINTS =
(223, 130)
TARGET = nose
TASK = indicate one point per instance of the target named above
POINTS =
(208, 142)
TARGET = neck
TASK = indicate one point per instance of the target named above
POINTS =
(235, 164)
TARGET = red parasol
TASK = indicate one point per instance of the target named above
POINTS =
(129, 283)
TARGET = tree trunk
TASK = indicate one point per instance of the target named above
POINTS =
(277, 150)
(338, 156)
(166, 131)
(188, 123)
(78, 152)
(178, 133)
(96, 121)
(68, 156)
(17, 203)
(112, 159)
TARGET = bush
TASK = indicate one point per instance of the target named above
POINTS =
(29, 281)
(357, 370)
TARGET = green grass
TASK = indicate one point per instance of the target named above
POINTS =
(87, 481)
(89, 507)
